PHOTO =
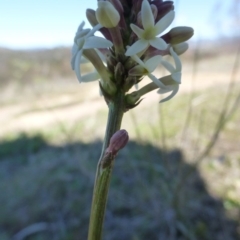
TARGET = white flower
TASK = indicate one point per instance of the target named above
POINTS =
(176, 72)
(148, 35)
(84, 40)
(166, 84)
(146, 68)
(174, 79)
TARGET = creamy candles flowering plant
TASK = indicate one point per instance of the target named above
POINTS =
(131, 47)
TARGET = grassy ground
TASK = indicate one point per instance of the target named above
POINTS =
(161, 188)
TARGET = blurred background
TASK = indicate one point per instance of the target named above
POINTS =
(179, 176)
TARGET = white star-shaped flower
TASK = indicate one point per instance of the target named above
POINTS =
(148, 35)
(146, 68)
(83, 40)
(174, 79)
(176, 72)
(166, 84)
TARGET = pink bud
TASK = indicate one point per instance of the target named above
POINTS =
(118, 141)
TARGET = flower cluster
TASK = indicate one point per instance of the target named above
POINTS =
(132, 48)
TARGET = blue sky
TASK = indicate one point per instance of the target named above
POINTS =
(51, 23)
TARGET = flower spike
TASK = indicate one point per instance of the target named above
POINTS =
(133, 46)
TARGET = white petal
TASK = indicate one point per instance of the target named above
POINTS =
(158, 43)
(80, 27)
(80, 42)
(174, 92)
(137, 30)
(137, 47)
(177, 60)
(137, 59)
(77, 65)
(164, 22)
(168, 66)
(89, 77)
(73, 61)
(94, 29)
(147, 15)
(97, 42)
(153, 62)
(74, 53)
(81, 34)
(74, 49)
(156, 81)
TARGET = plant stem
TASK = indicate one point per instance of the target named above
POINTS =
(103, 174)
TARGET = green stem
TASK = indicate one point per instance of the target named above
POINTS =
(103, 174)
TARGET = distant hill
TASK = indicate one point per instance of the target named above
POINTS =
(26, 66)
(219, 46)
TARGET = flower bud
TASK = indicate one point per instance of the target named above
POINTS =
(163, 8)
(178, 35)
(180, 48)
(107, 15)
(129, 82)
(91, 16)
(111, 62)
(118, 141)
(119, 72)
(132, 98)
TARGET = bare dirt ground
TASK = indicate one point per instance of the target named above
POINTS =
(35, 113)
